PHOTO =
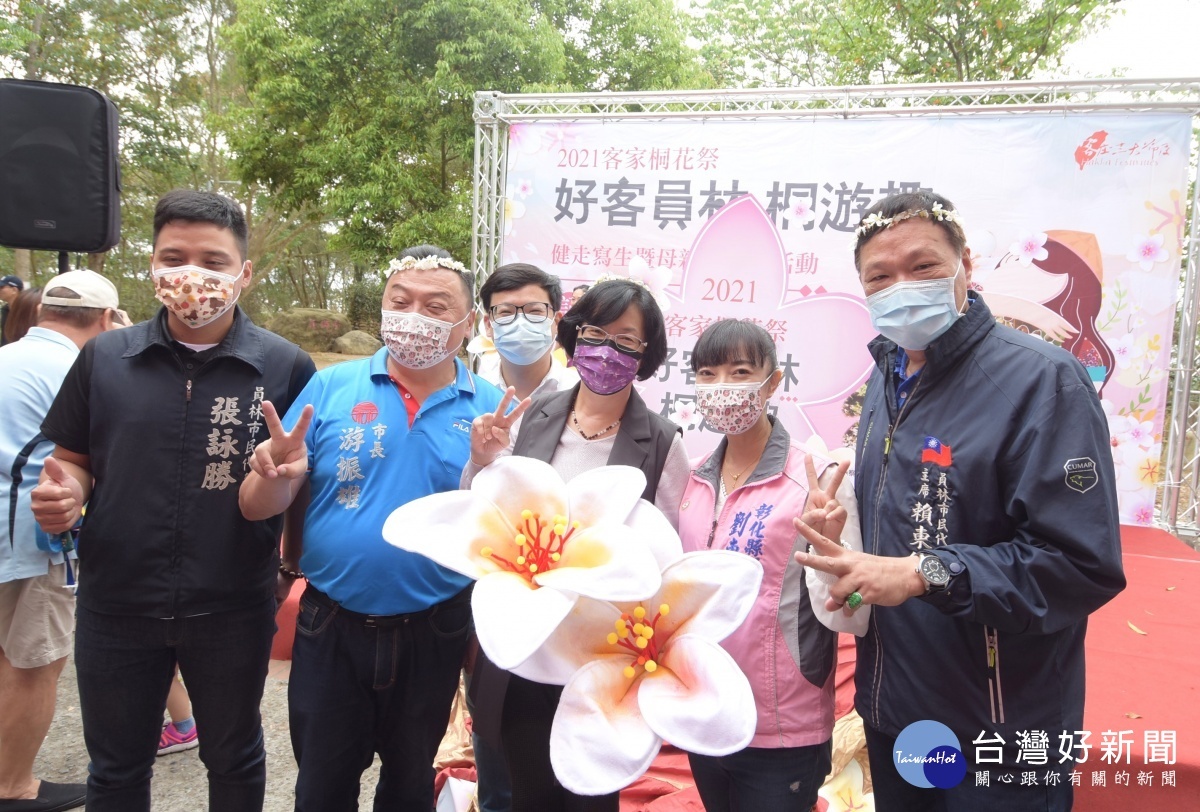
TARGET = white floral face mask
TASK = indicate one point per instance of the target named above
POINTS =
(197, 296)
(415, 341)
(730, 408)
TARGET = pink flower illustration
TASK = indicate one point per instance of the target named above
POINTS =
(685, 414)
(1029, 248)
(803, 212)
(1149, 251)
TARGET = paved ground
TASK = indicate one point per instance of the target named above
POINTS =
(179, 782)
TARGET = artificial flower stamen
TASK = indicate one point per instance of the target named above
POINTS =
(540, 544)
(635, 634)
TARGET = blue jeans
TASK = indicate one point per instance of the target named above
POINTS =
(362, 685)
(894, 794)
(125, 666)
(783, 779)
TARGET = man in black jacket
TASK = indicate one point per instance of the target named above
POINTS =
(987, 495)
(153, 430)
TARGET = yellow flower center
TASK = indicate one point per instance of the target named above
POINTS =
(540, 544)
(637, 635)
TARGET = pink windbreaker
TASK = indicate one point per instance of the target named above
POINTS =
(785, 652)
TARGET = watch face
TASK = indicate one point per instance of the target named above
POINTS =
(934, 572)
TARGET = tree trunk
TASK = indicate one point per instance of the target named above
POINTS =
(23, 264)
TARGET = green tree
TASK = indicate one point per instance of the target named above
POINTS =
(165, 66)
(624, 45)
(781, 43)
(363, 108)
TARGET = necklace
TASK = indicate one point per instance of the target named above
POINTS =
(738, 475)
(585, 435)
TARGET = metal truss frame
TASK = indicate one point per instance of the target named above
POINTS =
(1179, 491)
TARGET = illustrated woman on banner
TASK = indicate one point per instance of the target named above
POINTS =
(1053, 282)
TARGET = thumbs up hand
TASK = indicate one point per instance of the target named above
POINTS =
(57, 501)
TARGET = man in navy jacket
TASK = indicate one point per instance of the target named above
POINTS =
(989, 514)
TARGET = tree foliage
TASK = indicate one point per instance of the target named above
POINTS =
(164, 65)
(344, 127)
(782, 43)
(363, 108)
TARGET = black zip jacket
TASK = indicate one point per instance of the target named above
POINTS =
(1000, 464)
(168, 432)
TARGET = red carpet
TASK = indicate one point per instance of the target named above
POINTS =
(1146, 682)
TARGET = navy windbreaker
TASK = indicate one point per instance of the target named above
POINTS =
(1000, 463)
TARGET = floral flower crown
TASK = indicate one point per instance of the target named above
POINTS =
(936, 212)
(614, 277)
(429, 263)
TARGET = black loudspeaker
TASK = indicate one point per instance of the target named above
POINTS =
(59, 177)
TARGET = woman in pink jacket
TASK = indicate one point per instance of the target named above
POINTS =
(743, 497)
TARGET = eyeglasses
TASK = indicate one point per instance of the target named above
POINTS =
(535, 312)
(622, 341)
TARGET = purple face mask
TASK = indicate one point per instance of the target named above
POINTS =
(603, 369)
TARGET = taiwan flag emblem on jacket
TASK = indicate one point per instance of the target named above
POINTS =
(936, 451)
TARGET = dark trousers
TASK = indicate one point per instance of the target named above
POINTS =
(784, 779)
(525, 730)
(494, 791)
(362, 685)
(894, 794)
(125, 666)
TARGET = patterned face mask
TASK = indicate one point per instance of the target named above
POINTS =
(415, 341)
(730, 408)
(603, 369)
(197, 296)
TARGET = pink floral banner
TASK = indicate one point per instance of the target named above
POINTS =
(1076, 224)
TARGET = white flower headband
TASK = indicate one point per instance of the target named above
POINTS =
(429, 263)
(612, 277)
(936, 212)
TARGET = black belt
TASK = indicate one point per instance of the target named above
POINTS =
(381, 621)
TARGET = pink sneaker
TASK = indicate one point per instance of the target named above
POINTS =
(172, 741)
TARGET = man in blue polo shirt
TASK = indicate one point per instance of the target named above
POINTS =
(381, 633)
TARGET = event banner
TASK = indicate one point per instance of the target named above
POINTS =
(1075, 224)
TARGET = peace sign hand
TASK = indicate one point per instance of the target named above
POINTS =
(822, 510)
(878, 579)
(490, 433)
(285, 454)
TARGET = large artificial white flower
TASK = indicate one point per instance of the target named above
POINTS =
(535, 544)
(638, 673)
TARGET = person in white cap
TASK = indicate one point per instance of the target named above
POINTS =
(37, 614)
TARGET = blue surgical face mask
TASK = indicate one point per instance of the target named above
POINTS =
(522, 342)
(914, 314)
